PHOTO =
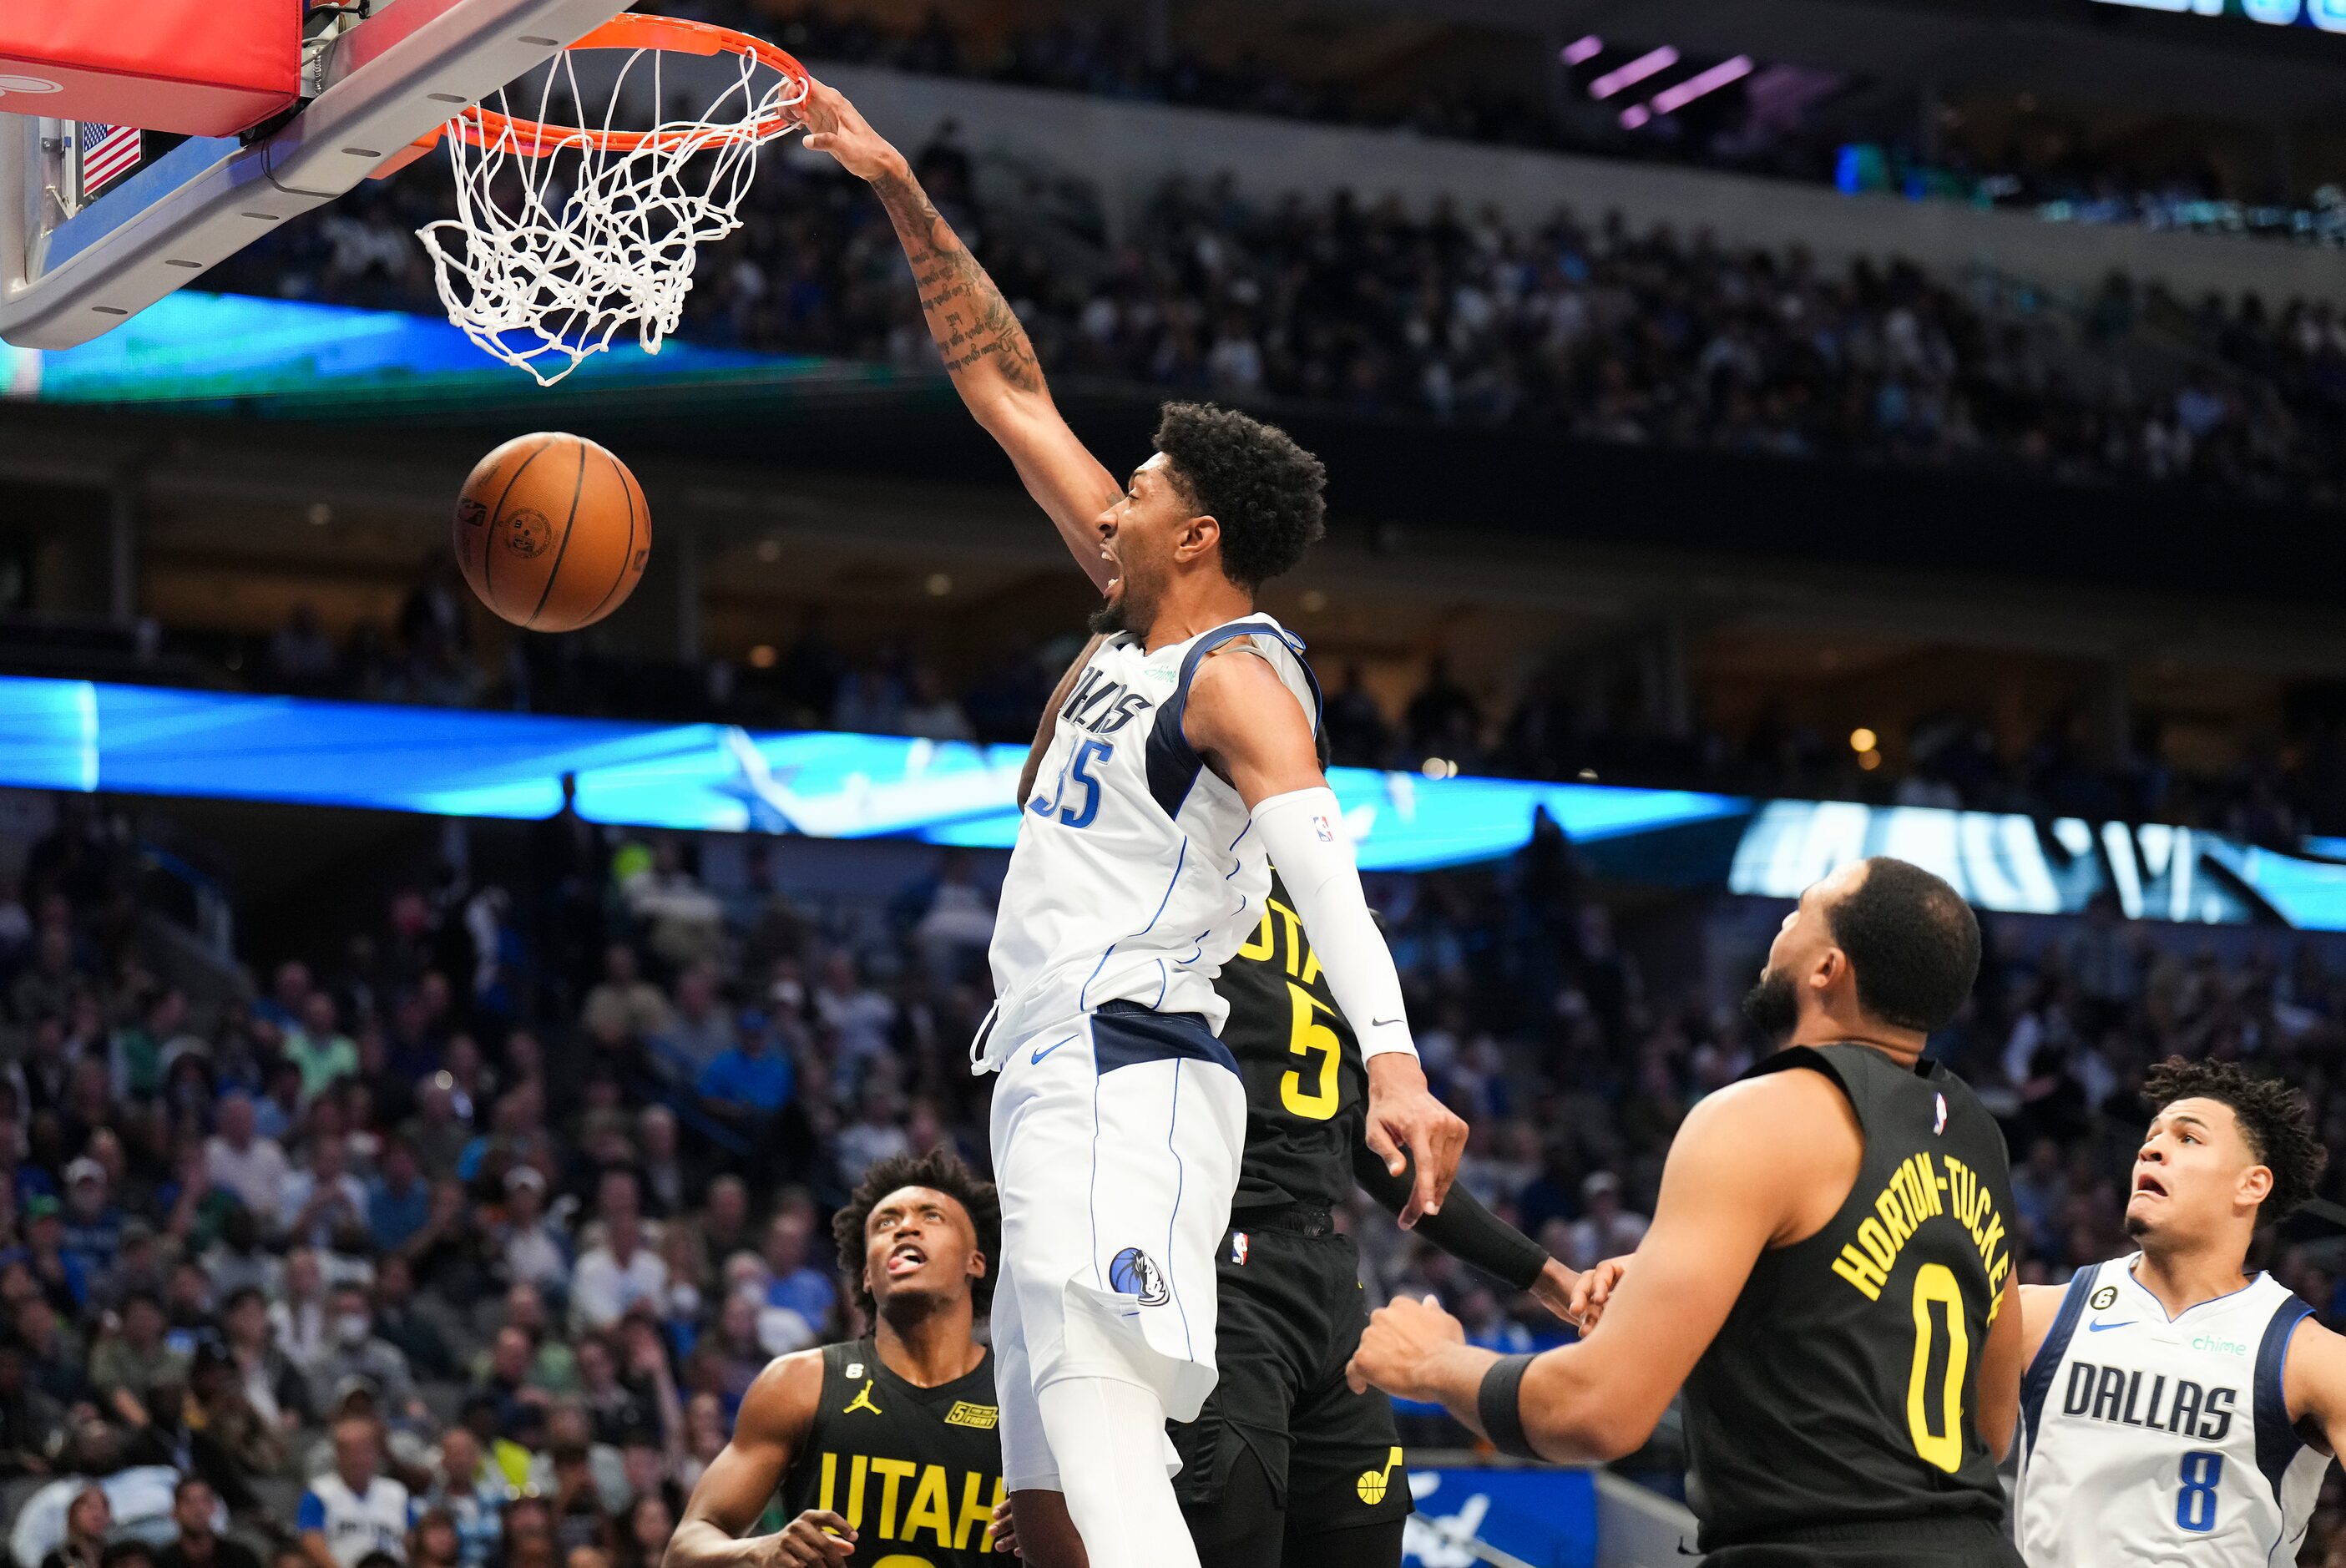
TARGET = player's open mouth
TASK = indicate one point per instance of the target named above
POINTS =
(2146, 1183)
(906, 1258)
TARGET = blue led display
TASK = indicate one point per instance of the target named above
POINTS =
(139, 740)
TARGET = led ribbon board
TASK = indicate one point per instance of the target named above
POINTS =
(84, 735)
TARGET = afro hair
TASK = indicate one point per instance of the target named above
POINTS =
(1265, 490)
(2274, 1118)
(942, 1170)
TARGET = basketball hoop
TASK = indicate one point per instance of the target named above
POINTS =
(565, 234)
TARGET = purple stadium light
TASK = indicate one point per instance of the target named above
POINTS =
(1635, 115)
(1669, 100)
(1583, 49)
(1635, 71)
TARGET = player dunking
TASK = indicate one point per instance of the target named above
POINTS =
(1181, 765)
(884, 1449)
(1829, 1272)
(2175, 1411)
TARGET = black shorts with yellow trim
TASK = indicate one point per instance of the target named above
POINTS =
(1291, 1313)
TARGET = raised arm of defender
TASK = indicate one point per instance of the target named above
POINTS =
(986, 352)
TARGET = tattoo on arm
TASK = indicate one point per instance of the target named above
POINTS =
(967, 316)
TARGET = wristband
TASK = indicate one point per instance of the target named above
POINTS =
(1499, 1404)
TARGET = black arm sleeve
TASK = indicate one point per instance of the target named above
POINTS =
(1465, 1229)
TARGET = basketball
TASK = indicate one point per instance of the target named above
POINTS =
(551, 532)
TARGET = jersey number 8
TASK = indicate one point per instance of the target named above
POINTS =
(1934, 1285)
(2195, 1505)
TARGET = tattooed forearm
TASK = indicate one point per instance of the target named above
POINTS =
(967, 316)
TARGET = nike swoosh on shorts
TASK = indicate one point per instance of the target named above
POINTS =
(1047, 1050)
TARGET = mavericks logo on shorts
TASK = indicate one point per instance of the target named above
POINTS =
(1135, 1273)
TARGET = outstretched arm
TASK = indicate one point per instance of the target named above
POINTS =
(1733, 1186)
(986, 352)
(776, 1415)
(1471, 1234)
(1250, 729)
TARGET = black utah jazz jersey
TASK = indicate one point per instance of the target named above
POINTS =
(916, 1471)
(1306, 1087)
(1842, 1387)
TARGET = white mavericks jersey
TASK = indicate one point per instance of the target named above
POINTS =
(356, 1524)
(2151, 1439)
(1135, 877)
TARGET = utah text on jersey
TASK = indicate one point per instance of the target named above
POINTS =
(899, 1500)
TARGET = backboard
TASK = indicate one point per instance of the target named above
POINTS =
(75, 263)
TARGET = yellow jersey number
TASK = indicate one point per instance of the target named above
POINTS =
(1935, 1283)
(1310, 1089)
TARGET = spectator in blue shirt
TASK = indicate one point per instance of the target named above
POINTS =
(55, 1269)
(750, 1080)
(792, 1281)
(399, 1201)
(93, 1228)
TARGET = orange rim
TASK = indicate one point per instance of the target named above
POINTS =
(534, 138)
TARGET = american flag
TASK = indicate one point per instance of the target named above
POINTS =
(107, 152)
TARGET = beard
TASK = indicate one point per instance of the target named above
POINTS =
(1134, 608)
(1773, 1005)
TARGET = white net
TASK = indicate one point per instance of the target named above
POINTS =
(564, 235)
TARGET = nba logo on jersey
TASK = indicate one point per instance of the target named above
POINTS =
(1938, 1114)
(1238, 1247)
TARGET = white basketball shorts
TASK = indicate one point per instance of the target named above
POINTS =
(1116, 1138)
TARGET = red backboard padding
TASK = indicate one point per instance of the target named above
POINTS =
(198, 67)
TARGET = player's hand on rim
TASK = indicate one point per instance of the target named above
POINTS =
(815, 1539)
(1404, 1339)
(833, 126)
(1409, 1130)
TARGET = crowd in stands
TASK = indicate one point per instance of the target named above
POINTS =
(2061, 171)
(1577, 326)
(1581, 327)
(343, 1251)
(1654, 339)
